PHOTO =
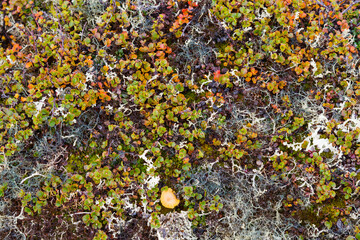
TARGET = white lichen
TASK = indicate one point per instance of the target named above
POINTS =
(175, 225)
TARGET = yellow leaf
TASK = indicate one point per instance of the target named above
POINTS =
(168, 199)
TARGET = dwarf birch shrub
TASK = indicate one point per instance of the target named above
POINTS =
(246, 109)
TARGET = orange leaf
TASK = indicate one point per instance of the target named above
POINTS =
(168, 50)
(253, 71)
(302, 15)
(108, 42)
(28, 64)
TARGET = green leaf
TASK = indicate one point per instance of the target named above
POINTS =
(104, 144)
(93, 144)
(161, 130)
(182, 153)
(111, 127)
(52, 122)
(40, 195)
(28, 211)
(87, 41)
(77, 178)
(102, 53)
(328, 224)
(3, 187)
(179, 87)
(243, 131)
(188, 191)
(348, 190)
(357, 236)
(86, 218)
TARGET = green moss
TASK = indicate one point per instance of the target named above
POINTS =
(327, 155)
(208, 149)
(191, 97)
(74, 163)
(307, 86)
(317, 213)
(308, 215)
(221, 46)
(78, 159)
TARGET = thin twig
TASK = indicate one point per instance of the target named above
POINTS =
(32, 175)
(322, 4)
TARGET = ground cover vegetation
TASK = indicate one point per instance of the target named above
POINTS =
(245, 113)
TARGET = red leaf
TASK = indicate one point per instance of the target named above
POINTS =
(217, 75)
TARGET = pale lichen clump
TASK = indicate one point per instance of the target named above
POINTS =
(175, 225)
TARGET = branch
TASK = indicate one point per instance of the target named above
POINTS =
(350, 6)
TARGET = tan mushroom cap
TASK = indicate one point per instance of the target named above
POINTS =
(168, 199)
